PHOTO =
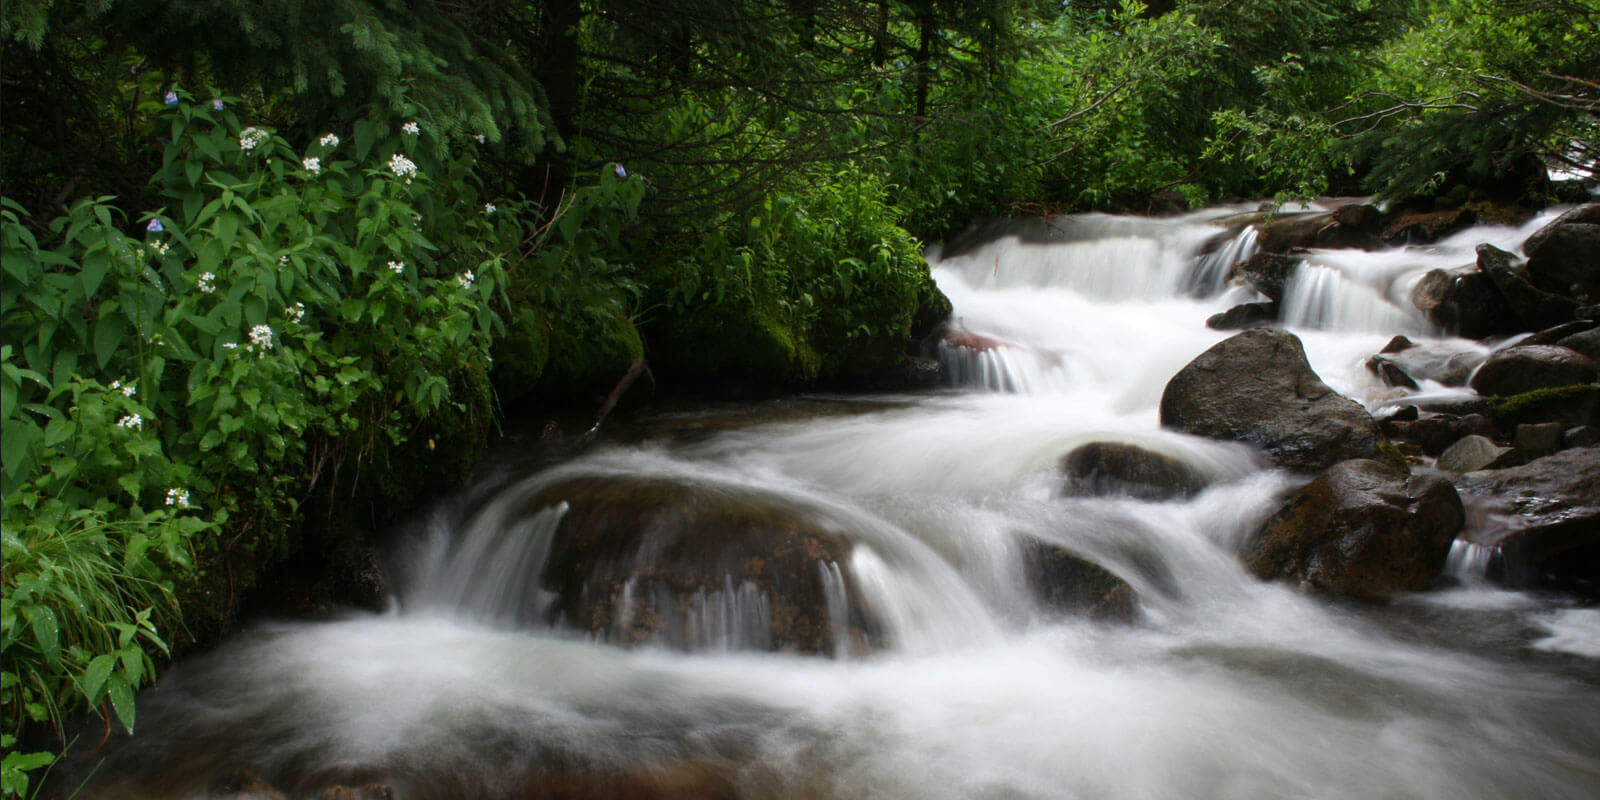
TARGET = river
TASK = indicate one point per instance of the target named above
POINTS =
(1222, 687)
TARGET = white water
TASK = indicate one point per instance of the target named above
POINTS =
(1225, 687)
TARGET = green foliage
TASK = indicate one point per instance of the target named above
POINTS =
(161, 387)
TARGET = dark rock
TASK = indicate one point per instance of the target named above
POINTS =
(633, 558)
(1539, 438)
(1470, 453)
(1244, 315)
(1534, 307)
(1559, 332)
(1587, 214)
(1435, 362)
(1580, 436)
(1389, 372)
(1568, 262)
(1586, 342)
(1266, 272)
(1402, 414)
(1361, 217)
(1590, 311)
(1544, 516)
(1466, 303)
(1360, 529)
(918, 372)
(1398, 344)
(1326, 230)
(1067, 582)
(1578, 404)
(1256, 387)
(371, 791)
(1426, 227)
(1432, 433)
(1114, 468)
(1524, 368)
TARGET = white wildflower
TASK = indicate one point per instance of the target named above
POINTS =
(480, 137)
(402, 167)
(230, 345)
(411, 128)
(128, 391)
(206, 284)
(488, 208)
(466, 279)
(397, 267)
(283, 260)
(251, 138)
(296, 312)
(132, 422)
(178, 498)
(261, 336)
(330, 141)
(312, 165)
(159, 247)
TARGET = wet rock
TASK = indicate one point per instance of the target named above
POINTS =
(371, 791)
(1466, 303)
(1256, 387)
(1435, 362)
(1543, 515)
(1398, 344)
(1426, 227)
(1586, 214)
(1389, 372)
(1266, 272)
(1470, 453)
(1326, 230)
(1578, 404)
(641, 560)
(1586, 342)
(1539, 438)
(1564, 256)
(918, 372)
(1559, 332)
(1069, 583)
(1359, 529)
(1244, 315)
(1534, 307)
(1362, 217)
(1580, 436)
(1114, 468)
(1525, 368)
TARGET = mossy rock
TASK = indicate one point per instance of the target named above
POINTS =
(520, 355)
(1578, 404)
(734, 345)
(589, 354)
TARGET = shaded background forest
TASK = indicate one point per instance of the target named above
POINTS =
(414, 218)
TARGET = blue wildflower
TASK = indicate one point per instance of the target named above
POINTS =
(621, 173)
(216, 105)
(154, 226)
(172, 98)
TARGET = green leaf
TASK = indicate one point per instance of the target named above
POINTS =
(107, 337)
(94, 678)
(121, 700)
(47, 632)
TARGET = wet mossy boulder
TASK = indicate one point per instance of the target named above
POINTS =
(1526, 368)
(1117, 468)
(589, 353)
(1544, 516)
(1361, 528)
(733, 348)
(644, 560)
(1258, 388)
(1577, 404)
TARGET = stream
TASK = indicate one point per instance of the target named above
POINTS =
(475, 684)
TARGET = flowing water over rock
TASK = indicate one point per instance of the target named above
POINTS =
(830, 598)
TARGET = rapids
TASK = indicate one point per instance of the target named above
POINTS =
(1225, 687)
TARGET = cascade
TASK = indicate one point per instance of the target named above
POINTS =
(781, 604)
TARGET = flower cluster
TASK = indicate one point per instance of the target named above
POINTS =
(330, 140)
(411, 128)
(397, 267)
(488, 208)
(207, 284)
(118, 386)
(402, 167)
(131, 422)
(312, 165)
(159, 247)
(178, 498)
(466, 279)
(216, 105)
(171, 99)
(261, 336)
(296, 312)
(480, 137)
(251, 138)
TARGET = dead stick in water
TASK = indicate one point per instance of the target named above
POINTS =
(634, 371)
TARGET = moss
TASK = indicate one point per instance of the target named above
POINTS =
(589, 351)
(1576, 404)
(736, 344)
(520, 355)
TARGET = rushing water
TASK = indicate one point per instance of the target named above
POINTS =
(1224, 687)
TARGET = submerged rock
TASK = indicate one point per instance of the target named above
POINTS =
(642, 560)
(1258, 388)
(1360, 529)
(1067, 582)
(1114, 468)
(1544, 516)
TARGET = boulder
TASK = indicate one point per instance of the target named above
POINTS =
(1244, 315)
(1464, 302)
(1568, 262)
(1256, 387)
(1437, 362)
(1578, 404)
(1426, 227)
(1286, 232)
(1359, 529)
(1470, 453)
(1525, 368)
(1266, 272)
(1114, 468)
(1539, 438)
(1544, 516)
(1535, 308)
(1586, 342)
(641, 560)
(1586, 214)
(1435, 433)
(1069, 583)
(1389, 373)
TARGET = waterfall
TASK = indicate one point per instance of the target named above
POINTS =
(838, 597)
